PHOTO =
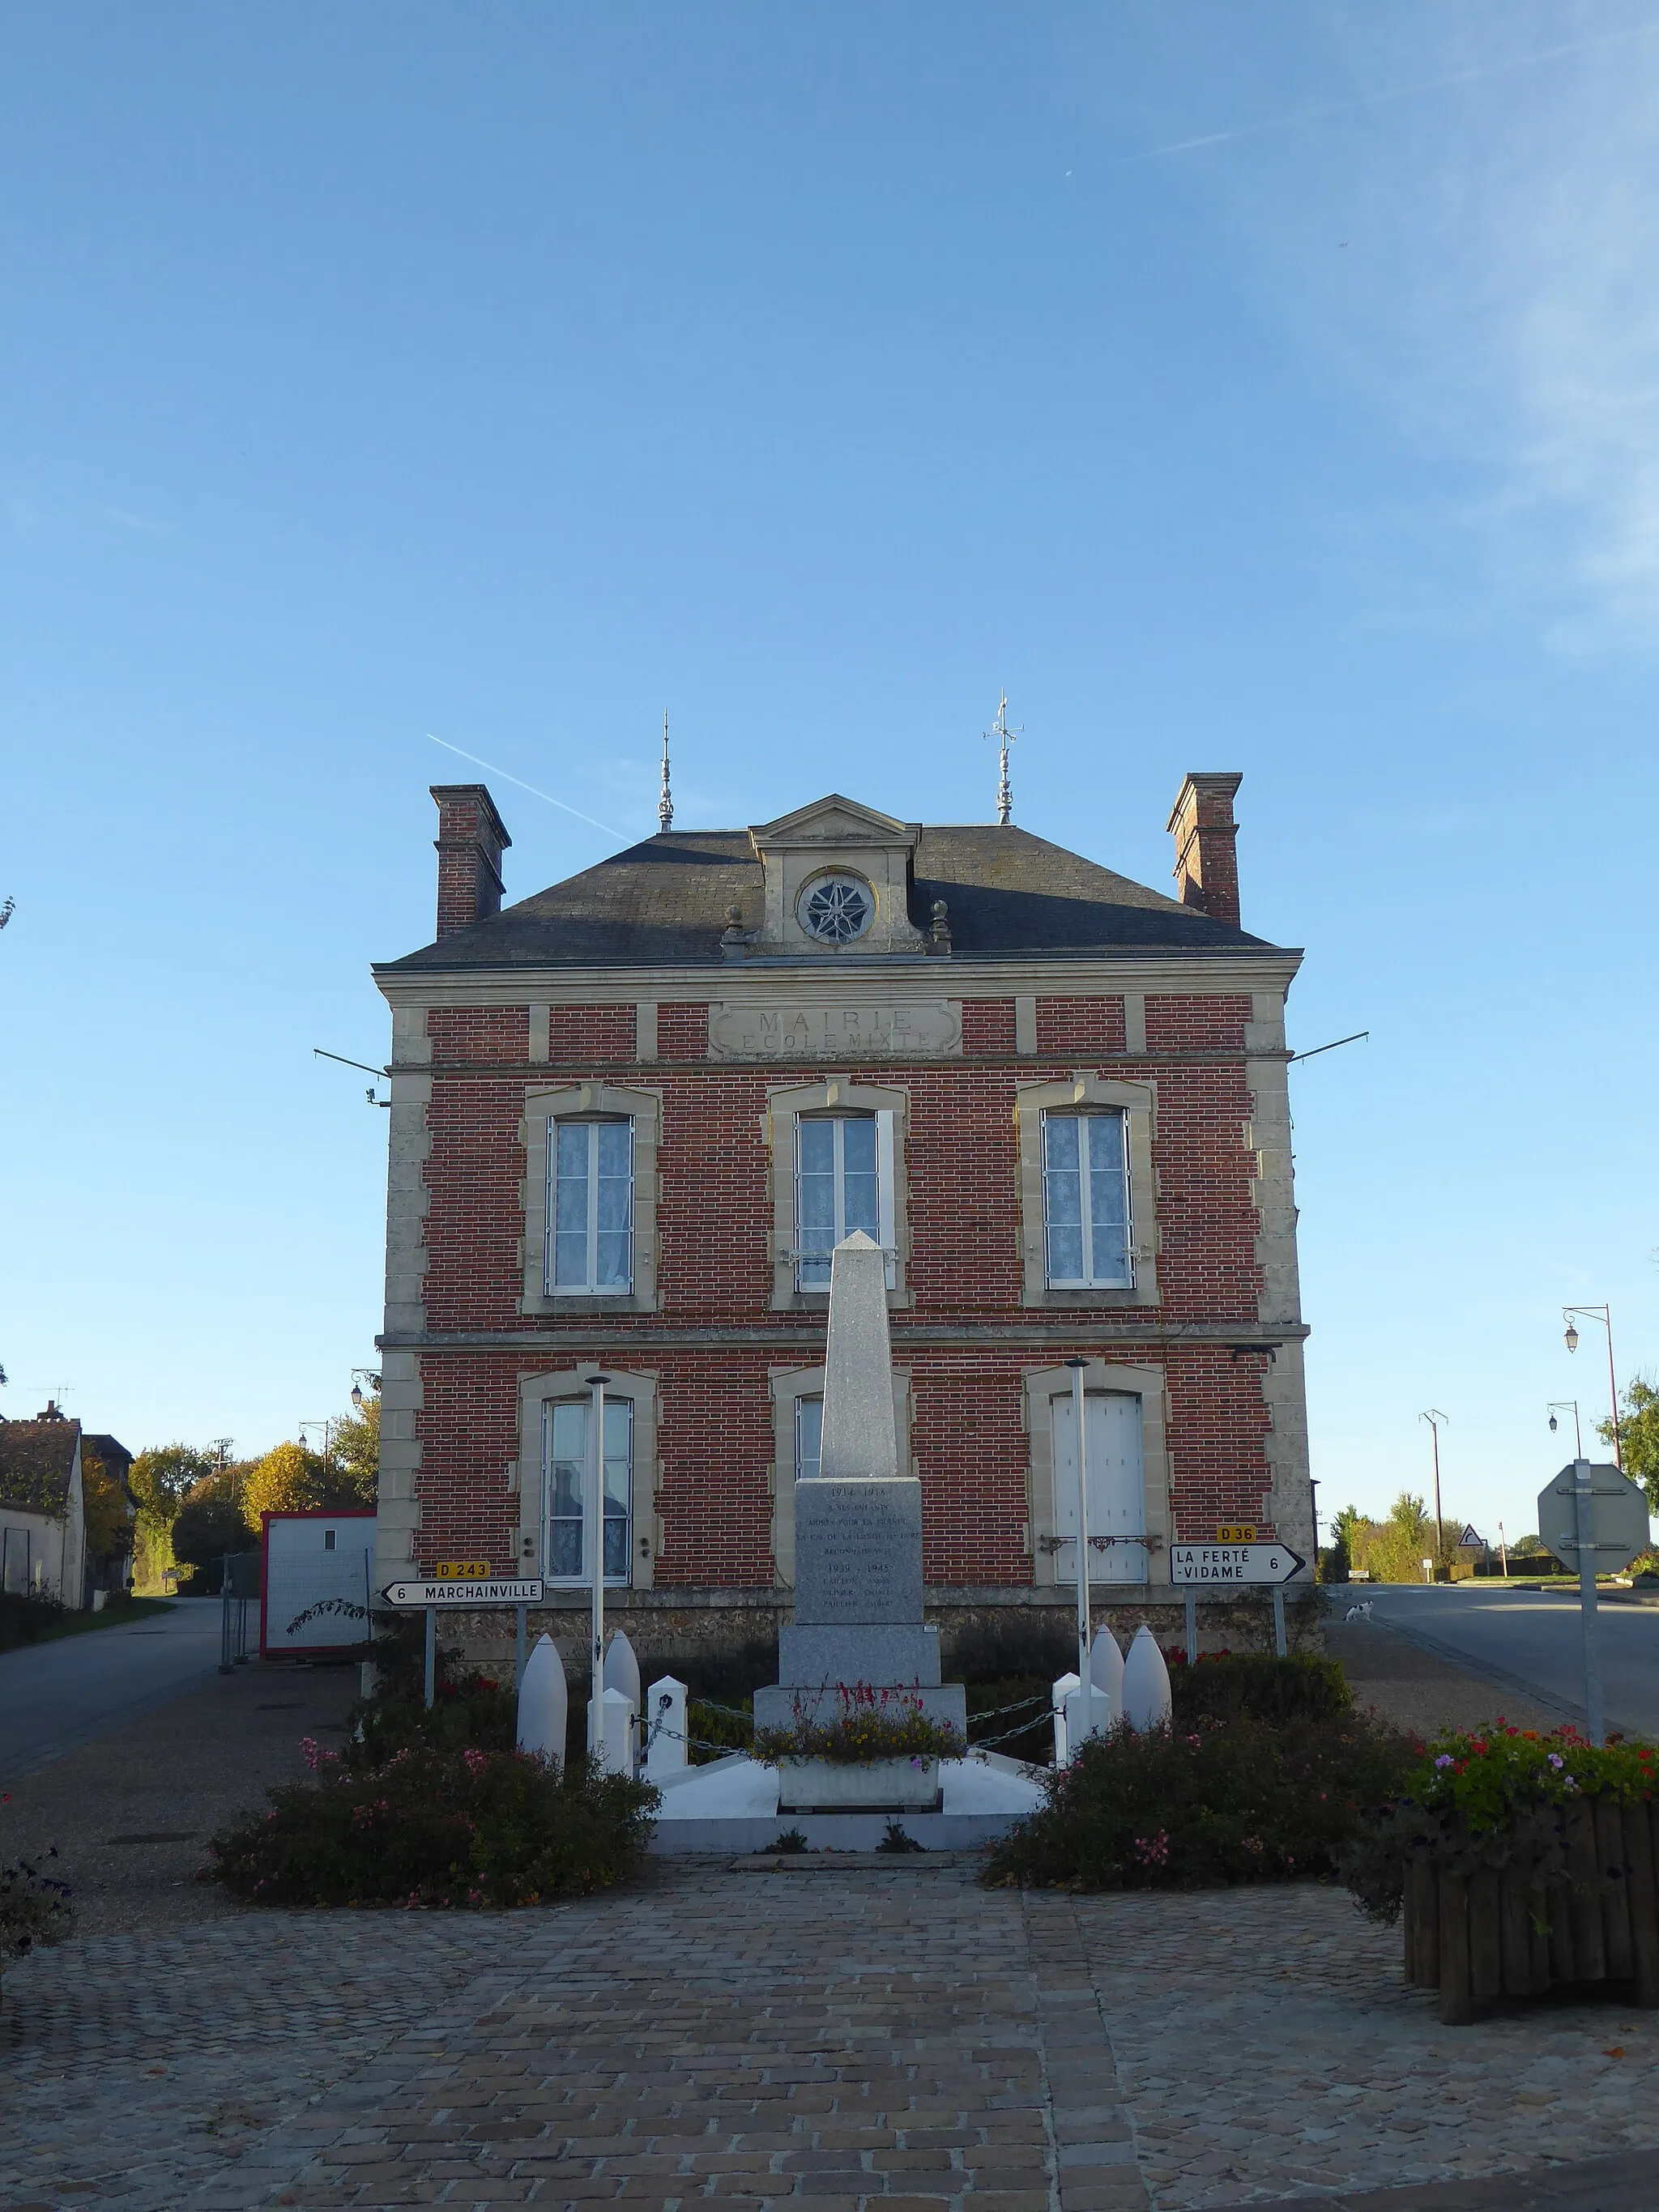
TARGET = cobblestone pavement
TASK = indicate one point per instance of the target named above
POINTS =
(895, 2038)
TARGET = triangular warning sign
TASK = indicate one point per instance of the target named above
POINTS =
(1468, 1541)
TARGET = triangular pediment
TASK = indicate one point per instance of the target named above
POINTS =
(834, 820)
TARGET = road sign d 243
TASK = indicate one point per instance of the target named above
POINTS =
(1619, 1511)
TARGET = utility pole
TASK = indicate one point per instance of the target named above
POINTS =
(1434, 1418)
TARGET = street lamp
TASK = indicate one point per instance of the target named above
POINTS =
(358, 1377)
(1564, 1406)
(1604, 1314)
(1084, 1623)
(1434, 1418)
(596, 1568)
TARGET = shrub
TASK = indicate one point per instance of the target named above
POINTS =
(34, 1906)
(1184, 1807)
(1011, 1646)
(437, 1826)
(1223, 1684)
(870, 1724)
(1490, 1798)
(28, 1620)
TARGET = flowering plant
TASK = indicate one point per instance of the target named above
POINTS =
(1498, 1798)
(870, 1724)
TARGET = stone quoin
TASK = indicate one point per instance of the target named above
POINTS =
(632, 1113)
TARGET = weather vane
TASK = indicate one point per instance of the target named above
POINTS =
(1005, 737)
(666, 804)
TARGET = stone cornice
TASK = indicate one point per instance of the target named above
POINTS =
(1017, 1334)
(1065, 975)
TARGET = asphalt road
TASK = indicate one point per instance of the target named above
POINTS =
(54, 1696)
(1531, 1641)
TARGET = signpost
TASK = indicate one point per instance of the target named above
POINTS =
(1211, 1566)
(449, 1590)
(1594, 1514)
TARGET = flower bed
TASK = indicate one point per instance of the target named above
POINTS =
(870, 1724)
(1243, 1800)
(437, 1826)
(1518, 1862)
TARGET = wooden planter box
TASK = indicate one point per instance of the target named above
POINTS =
(1481, 1937)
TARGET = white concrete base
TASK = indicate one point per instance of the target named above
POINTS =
(876, 1785)
(733, 1806)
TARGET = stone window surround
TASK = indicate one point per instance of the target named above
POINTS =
(1138, 1103)
(1042, 1384)
(581, 1101)
(788, 1385)
(536, 1391)
(832, 1094)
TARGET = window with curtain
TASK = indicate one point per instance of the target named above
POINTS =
(843, 1182)
(566, 1471)
(590, 1207)
(1085, 1202)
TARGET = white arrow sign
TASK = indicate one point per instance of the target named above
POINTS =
(455, 1593)
(1233, 1563)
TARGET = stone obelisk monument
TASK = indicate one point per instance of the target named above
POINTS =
(858, 1529)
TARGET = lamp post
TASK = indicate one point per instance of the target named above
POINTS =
(359, 1376)
(1084, 1625)
(1604, 1314)
(1434, 1418)
(1564, 1406)
(596, 1566)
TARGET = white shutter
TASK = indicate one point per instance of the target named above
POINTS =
(886, 1209)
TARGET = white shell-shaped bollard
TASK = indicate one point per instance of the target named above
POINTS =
(1059, 1696)
(1106, 1669)
(664, 1726)
(615, 1749)
(621, 1670)
(1145, 1683)
(543, 1703)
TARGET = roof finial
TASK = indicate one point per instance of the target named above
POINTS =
(1005, 737)
(666, 804)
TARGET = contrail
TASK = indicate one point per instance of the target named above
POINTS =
(1383, 99)
(534, 794)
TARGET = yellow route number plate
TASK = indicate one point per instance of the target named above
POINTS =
(1243, 1533)
(461, 1570)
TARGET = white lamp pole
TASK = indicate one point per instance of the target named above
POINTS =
(596, 1562)
(1084, 1627)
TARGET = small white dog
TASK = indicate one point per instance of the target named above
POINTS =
(1360, 1611)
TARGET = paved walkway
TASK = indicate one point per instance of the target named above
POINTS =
(825, 2041)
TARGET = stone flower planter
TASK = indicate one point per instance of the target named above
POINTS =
(1480, 1937)
(875, 1785)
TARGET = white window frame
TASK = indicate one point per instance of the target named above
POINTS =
(546, 1104)
(537, 1395)
(836, 1094)
(1089, 1092)
(616, 1407)
(1122, 1277)
(883, 1119)
(591, 1288)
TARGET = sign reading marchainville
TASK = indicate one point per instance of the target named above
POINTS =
(460, 1593)
(866, 1029)
(1233, 1563)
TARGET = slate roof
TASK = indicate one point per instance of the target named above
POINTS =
(663, 902)
(36, 1460)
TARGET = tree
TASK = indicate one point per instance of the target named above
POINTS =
(209, 1521)
(355, 1478)
(161, 1477)
(1393, 1550)
(289, 1478)
(107, 1507)
(1639, 1436)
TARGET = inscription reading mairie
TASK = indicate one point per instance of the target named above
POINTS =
(882, 1029)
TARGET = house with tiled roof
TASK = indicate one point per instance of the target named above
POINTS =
(42, 1509)
(632, 1113)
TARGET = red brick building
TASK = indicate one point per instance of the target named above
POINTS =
(631, 1114)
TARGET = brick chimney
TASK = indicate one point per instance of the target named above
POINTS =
(471, 838)
(1205, 833)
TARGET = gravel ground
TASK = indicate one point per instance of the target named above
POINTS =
(169, 1779)
(1416, 1690)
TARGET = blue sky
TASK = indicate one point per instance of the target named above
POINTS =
(1271, 388)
